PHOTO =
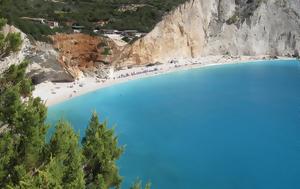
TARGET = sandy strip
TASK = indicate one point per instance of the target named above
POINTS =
(54, 93)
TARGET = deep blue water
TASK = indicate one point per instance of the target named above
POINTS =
(221, 127)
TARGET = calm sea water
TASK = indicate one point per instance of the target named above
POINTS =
(222, 127)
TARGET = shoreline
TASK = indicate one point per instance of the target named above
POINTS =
(55, 93)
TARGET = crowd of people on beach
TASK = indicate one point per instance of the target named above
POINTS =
(62, 91)
(134, 73)
(153, 69)
(130, 72)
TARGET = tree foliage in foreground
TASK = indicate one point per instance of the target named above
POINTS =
(10, 42)
(27, 160)
(101, 146)
(138, 185)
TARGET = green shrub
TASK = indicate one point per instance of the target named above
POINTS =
(106, 51)
(9, 43)
(232, 20)
(2, 22)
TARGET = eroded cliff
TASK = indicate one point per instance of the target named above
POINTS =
(217, 27)
(81, 54)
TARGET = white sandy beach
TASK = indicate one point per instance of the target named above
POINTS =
(54, 93)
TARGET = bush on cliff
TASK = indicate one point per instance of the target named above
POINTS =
(10, 42)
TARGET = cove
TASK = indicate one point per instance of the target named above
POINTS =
(220, 127)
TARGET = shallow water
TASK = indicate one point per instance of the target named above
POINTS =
(221, 127)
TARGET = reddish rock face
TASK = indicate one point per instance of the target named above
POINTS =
(81, 53)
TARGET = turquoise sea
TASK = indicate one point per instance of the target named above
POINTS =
(220, 127)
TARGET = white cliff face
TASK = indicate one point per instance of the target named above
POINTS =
(216, 27)
(272, 30)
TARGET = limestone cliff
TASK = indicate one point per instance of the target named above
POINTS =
(216, 27)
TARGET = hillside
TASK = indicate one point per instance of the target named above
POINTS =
(140, 15)
(221, 27)
(196, 28)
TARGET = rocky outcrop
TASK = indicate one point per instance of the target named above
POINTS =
(44, 65)
(218, 27)
(43, 60)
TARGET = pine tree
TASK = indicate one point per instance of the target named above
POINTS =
(23, 127)
(62, 168)
(101, 150)
(67, 160)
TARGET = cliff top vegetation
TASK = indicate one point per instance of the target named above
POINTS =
(140, 15)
